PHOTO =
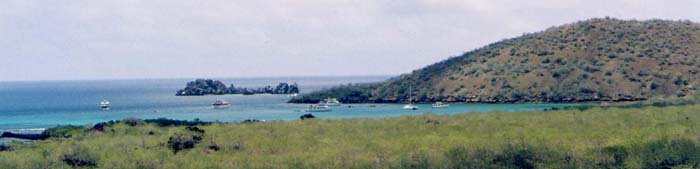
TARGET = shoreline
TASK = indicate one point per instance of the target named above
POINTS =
(563, 105)
(354, 105)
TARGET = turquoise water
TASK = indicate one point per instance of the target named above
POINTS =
(41, 104)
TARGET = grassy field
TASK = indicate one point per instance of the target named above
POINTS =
(647, 137)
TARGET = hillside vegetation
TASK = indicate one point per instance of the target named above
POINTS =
(592, 60)
(607, 137)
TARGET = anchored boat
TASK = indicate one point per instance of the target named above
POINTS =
(104, 105)
(330, 102)
(318, 108)
(440, 105)
(220, 104)
(410, 105)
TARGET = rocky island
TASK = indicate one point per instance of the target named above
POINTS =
(201, 87)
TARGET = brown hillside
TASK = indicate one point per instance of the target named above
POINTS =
(597, 59)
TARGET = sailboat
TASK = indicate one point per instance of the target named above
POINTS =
(410, 105)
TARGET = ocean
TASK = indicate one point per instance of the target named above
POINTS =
(34, 105)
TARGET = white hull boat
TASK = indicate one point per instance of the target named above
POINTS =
(104, 105)
(220, 104)
(410, 107)
(319, 108)
(439, 105)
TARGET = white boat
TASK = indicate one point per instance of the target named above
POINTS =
(104, 105)
(220, 104)
(440, 105)
(410, 107)
(318, 108)
(330, 102)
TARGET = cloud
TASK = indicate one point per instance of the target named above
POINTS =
(217, 38)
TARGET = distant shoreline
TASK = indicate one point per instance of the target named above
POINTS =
(189, 78)
(234, 95)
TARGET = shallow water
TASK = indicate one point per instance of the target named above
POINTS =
(41, 104)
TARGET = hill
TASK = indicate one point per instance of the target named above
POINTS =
(593, 60)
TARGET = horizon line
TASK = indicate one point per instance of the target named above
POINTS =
(193, 78)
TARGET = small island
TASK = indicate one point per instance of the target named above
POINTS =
(201, 87)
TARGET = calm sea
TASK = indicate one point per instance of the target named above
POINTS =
(41, 104)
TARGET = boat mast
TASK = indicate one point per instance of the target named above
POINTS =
(410, 94)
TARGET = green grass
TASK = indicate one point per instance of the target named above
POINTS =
(647, 137)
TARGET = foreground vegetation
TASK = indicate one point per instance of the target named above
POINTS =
(597, 137)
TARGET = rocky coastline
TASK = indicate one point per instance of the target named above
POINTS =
(345, 99)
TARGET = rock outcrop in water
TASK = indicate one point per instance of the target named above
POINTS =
(214, 87)
(24, 136)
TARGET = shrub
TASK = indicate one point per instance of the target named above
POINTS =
(666, 153)
(612, 157)
(586, 90)
(307, 116)
(510, 156)
(516, 157)
(170, 122)
(131, 121)
(608, 73)
(560, 72)
(79, 156)
(179, 141)
(461, 157)
(195, 129)
(418, 160)
(62, 131)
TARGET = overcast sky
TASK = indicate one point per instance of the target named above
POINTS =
(103, 39)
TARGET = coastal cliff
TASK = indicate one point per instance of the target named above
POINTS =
(593, 60)
(214, 87)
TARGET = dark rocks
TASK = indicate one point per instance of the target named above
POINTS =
(195, 129)
(202, 87)
(24, 136)
(251, 121)
(237, 146)
(214, 87)
(432, 121)
(213, 146)
(99, 127)
(5, 147)
(307, 116)
(369, 96)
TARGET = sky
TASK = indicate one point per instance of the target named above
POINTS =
(143, 39)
